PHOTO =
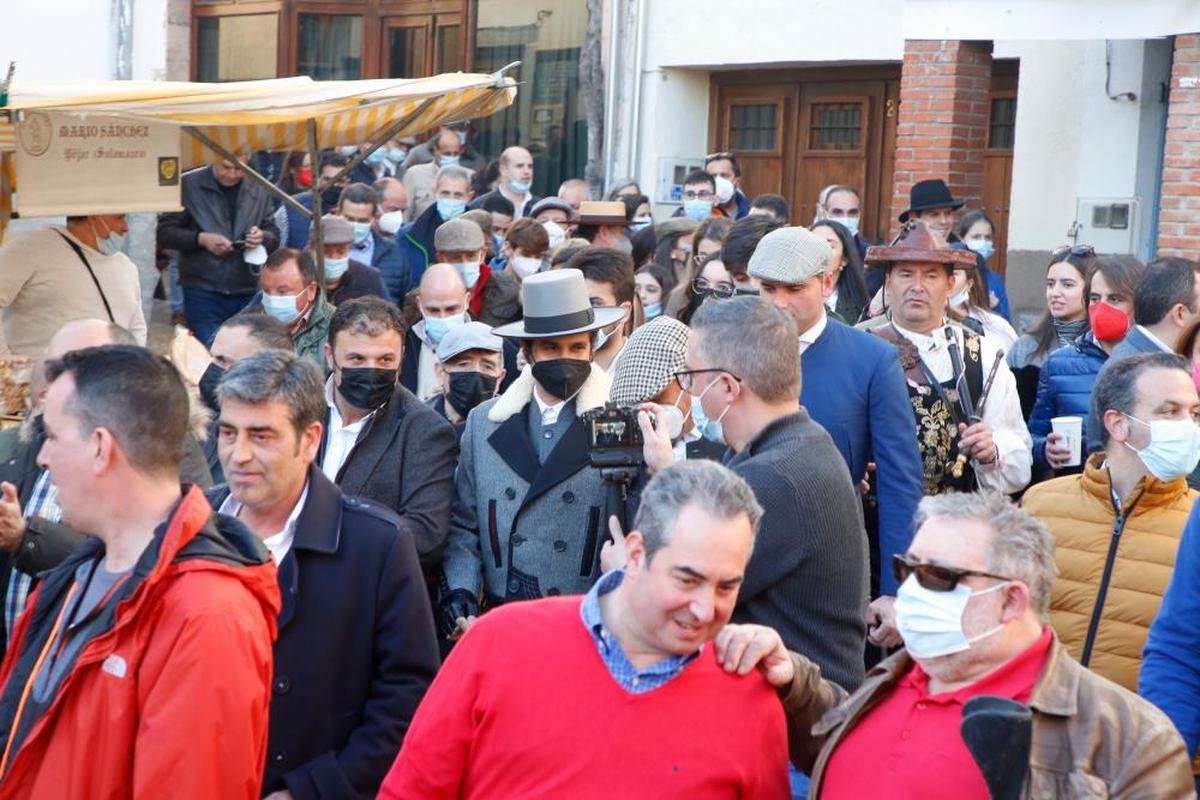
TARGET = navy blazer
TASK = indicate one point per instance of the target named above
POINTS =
(356, 648)
(1134, 343)
(852, 385)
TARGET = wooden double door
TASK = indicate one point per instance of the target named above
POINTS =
(796, 132)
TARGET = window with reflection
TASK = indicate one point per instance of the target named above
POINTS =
(329, 48)
(237, 48)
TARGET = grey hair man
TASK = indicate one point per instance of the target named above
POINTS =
(419, 180)
(808, 576)
(973, 604)
(643, 629)
(351, 584)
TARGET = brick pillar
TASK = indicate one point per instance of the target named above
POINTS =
(1179, 206)
(942, 130)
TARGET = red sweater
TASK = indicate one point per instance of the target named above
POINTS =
(525, 708)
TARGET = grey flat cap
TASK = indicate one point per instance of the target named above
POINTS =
(654, 353)
(471, 336)
(556, 304)
(458, 236)
(336, 230)
(790, 256)
(552, 202)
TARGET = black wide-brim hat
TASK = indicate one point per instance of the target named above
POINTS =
(930, 194)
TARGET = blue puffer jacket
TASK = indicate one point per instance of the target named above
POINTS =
(1065, 390)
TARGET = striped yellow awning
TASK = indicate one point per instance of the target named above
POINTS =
(272, 114)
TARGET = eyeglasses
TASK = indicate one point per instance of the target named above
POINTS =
(703, 194)
(685, 378)
(719, 291)
(1078, 250)
(934, 577)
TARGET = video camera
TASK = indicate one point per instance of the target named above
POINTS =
(614, 437)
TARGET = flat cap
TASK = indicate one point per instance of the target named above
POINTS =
(468, 336)
(457, 236)
(552, 202)
(789, 256)
(481, 218)
(654, 353)
(336, 230)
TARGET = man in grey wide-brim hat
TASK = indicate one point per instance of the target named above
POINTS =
(529, 512)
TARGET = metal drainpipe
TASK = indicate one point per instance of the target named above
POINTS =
(635, 136)
(123, 63)
(610, 83)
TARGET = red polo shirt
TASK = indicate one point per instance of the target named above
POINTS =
(909, 745)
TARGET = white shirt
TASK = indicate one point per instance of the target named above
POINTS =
(995, 327)
(1157, 341)
(1010, 471)
(549, 412)
(427, 383)
(339, 439)
(680, 447)
(281, 543)
(810, 336)
(831, 303)
(362, 253)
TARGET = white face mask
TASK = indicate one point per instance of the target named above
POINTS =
(556, 233)
(524, 266)
(931, 622)
(390, 222)
(850, 223)
(1174, 448)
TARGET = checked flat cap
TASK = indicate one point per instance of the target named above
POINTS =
(652, 356)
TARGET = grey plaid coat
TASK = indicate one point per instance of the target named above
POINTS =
(520, 529)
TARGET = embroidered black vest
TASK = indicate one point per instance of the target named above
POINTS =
(937, 420)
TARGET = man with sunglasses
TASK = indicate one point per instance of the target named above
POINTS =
(974, 602)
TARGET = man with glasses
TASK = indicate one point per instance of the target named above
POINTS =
(808, 575)
(1118, 524)
(852, 383)
(699, 197)
(975, 590)
(725, 165)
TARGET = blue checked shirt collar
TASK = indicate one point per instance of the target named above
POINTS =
(609, 649)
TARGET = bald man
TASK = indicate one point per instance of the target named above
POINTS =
(393, 207)
(516, 181)
(442, 298)
(31, 538)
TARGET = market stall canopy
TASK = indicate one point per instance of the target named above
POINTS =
(271, 114)
(108, 146)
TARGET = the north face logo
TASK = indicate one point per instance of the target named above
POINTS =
(114, 665)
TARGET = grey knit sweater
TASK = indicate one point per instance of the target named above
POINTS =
(808, 574)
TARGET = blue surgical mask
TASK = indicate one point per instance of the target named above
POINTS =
(641, 223)
(709, 428)
(960, 300)
(396, 155)
(985, 247)
(851, 223)
(377, 157)
(653, 310)
(498, 243)
(449, 208)
(108, 245)
(518, 187)
(436, 328)
(470, 273)
(361, 231)
(335, 268)
(448, 161)
(698, 210)
(282, 307)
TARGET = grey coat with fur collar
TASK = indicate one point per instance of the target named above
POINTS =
(520, 529)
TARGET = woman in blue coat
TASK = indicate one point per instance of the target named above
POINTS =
(1069, 373)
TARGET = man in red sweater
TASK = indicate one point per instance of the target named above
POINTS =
(614, 694)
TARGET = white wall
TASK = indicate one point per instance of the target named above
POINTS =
(59, 40)
(720, 33)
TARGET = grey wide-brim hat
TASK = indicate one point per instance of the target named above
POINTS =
(555, 303)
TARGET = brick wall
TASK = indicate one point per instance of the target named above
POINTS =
(1179, 210)
(942, 129)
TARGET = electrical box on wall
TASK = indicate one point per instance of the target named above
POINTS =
(1108, 224)
(671, 172)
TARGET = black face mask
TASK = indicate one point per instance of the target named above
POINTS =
(208, 385)
(469, 389)
(330, 197)
(562, 377)
(367, 387)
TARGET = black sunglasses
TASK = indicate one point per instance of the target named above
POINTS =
(1078, 250)
(934, 577)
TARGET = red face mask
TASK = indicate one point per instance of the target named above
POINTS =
(304, 177)
(1109, 324)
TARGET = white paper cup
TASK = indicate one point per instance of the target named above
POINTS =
(1071, 429)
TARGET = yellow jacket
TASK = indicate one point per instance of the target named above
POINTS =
(1080, 513)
